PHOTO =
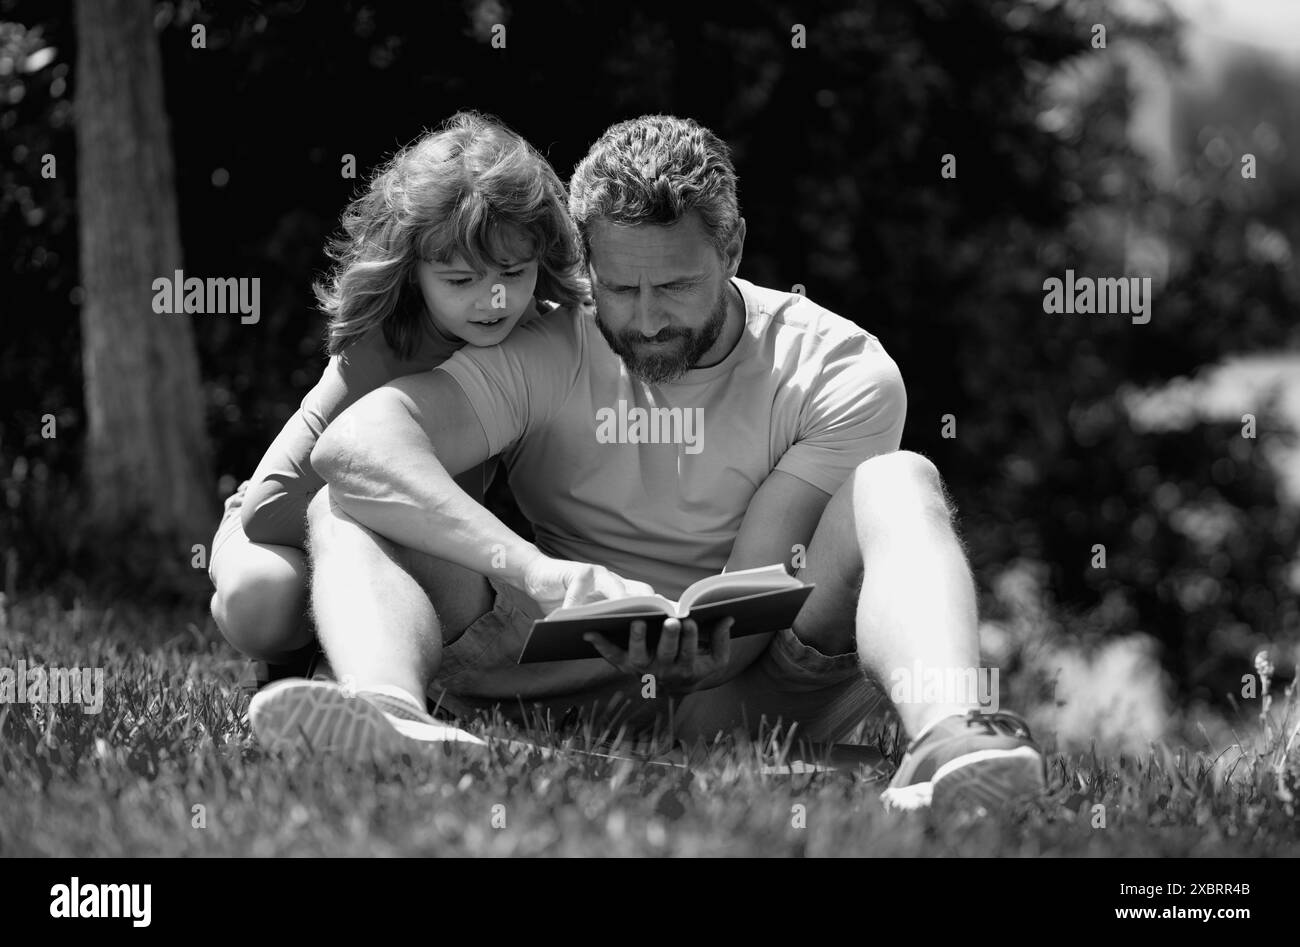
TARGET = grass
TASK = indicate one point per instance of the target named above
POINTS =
(168, 768)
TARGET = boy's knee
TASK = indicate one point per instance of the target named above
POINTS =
(262, 612)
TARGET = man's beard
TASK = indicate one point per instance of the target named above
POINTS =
(666, 363)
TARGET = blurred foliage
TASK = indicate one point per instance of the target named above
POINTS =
(839, 147)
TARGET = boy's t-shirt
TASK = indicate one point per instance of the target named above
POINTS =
(275, 506)
(653, 481)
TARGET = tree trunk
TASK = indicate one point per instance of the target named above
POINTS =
(148, 459)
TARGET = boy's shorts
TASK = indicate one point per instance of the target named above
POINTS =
(786, 682)
(231, 525)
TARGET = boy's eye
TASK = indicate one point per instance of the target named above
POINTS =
(513, 274)
(461, 281)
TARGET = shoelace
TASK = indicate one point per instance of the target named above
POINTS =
(999, 723)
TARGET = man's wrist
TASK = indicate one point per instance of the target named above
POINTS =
(517, 563)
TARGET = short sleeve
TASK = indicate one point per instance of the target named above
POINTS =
(854, 410)
(518, 386)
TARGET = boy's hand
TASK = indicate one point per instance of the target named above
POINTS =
(555, 583)
(678, 665)
(236, 499)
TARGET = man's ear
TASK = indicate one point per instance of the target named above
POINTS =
(735, 250)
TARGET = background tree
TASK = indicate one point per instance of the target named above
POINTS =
(147, 460)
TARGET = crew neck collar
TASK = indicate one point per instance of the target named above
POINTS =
(695, 376)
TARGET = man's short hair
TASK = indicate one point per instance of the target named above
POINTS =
(654, 170)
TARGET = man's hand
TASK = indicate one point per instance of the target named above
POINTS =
(555, 583)
(678, 665)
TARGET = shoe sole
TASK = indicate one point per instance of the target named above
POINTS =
(317, 717)
(987, 780)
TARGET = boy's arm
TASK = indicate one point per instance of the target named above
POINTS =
(275, 507)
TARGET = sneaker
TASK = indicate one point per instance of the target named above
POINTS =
(321, 717)
(969, 763)
(319, 669)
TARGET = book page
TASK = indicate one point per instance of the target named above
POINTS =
(633, 605)
(731, 585)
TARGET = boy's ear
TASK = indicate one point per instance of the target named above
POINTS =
(735, 250)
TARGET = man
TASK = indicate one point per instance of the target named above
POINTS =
(417, 590)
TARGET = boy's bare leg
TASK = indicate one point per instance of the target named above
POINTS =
(890, 572)
(383, 613)
(261, 597)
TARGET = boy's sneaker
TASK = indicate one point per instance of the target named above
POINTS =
(319, 669)
(971, 762)
(321, 717)
(259, 674)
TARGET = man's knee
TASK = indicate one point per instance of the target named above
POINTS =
(893, 482)
(320, 514)
(327, 523)
(341, 546)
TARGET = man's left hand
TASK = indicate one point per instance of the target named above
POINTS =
(678, 665)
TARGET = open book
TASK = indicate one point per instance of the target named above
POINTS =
(761, 600)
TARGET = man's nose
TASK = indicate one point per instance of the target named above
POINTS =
(648, 319)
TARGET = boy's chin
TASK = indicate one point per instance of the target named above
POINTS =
(485, 336)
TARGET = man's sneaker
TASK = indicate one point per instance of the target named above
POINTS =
(321, 717)
(971, 762)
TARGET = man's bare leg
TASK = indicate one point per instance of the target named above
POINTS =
(383, 613)
(890, 571)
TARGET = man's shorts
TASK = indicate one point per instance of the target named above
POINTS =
(785, 683)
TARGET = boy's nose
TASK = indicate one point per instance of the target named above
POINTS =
(484, 302)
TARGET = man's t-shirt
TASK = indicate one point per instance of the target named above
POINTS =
(653, 481)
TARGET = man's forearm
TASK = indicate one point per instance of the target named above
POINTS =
(382, 471)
